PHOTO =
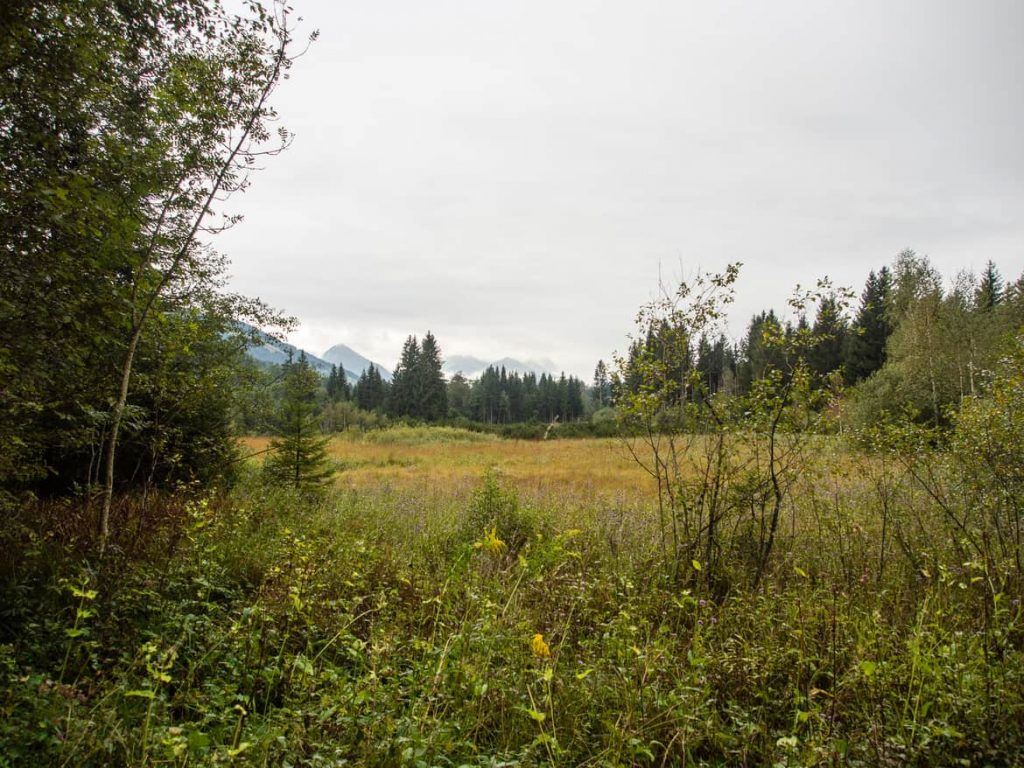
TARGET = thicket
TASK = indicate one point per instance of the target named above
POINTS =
(124, 127)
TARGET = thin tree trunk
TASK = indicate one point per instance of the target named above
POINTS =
(115, 428)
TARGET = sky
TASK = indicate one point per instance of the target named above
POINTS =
(517, 176)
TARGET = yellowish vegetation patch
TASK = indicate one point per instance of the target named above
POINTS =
(415, 457)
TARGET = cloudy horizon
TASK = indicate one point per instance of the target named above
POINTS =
(514, 177)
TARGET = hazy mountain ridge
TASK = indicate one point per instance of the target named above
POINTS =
(353, 362)
(471, 366)
(274, 352)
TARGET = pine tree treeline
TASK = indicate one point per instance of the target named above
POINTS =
(500, 396)
(337, 385)
(905, 344)
(418, 389)
(910, 344)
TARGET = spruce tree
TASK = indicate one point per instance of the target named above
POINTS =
(361, 391)
(433, 394)
(990, 289)
(343, 390)
(708, 365)
(602, 395)
(515, 397)
(337, 384)
(370, 390)
(332, 382)
(298, 455)
(865, 349)
(405, 396)
(574, 399)
(829, 329)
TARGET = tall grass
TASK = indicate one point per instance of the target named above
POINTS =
(494, 622)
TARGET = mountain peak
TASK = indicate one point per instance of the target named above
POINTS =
(471, 367)
(350, 360)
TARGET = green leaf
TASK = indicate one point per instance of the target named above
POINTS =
(537, 717)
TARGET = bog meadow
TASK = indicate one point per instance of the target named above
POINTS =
(798, 547)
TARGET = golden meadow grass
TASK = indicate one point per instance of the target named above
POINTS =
(406, 459)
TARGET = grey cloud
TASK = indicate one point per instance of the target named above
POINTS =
(511, 175)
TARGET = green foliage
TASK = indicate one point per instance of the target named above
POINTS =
(346, 415)
(268, 627)
(419, 435)
(495, 511)
(337, 385)
(298, 455)
(371, 391)
(942, 345)
(720, 461)
(987, 444)
(869, 335)
(120, 124)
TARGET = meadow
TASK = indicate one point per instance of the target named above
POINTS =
(424, 457)
(457, 600)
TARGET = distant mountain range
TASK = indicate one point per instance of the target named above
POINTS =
(353, 362)
(471, 367)
(274, 352)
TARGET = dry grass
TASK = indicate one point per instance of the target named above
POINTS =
(593, 468)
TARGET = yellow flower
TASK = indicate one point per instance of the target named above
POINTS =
(491, 543)
(540, 648)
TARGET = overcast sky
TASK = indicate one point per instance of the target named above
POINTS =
(513, 175)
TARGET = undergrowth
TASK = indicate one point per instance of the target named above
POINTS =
(266, 628)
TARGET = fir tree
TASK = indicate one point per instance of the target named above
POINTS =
(405, 395)
(433, 395)
(298, 455)
(829, 330)
(337, 384)
(602, 385)
(990, 289)
(865, 349)
(370, 391)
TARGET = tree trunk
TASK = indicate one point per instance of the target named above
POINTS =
(115, 428)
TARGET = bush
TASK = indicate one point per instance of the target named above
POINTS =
(495, 510)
